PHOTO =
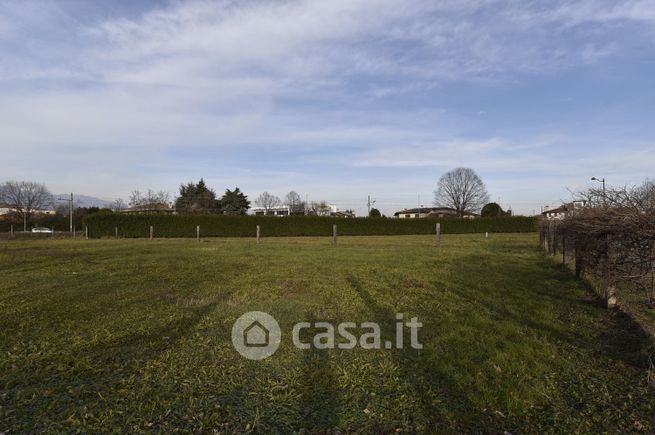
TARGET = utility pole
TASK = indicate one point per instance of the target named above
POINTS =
(369, 203)
(71, 213)
(70, 200)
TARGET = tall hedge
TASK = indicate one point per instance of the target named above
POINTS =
(104, 225)
(59, 223)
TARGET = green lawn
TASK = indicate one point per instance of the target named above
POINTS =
(135, 336)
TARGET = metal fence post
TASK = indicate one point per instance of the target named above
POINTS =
(438, 232)
(334, 234)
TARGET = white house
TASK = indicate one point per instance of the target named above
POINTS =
(274, 211)
(431, 212)
(6, 209)
(562, 211)
(283, 210)
(158, 207)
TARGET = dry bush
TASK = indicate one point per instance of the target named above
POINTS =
(617, 243)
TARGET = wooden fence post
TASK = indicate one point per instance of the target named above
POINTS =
(258, 233)
(438, 232)
(609, 289)
(151, 232)
(198, 232)
(12, 230)
(334, 234)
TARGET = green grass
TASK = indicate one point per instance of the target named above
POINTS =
(134, 335)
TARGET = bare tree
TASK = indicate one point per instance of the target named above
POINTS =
(25, 197)
(639, 198)
(149, 198)
(295, 203)
(118, 205)
(646, 195)
(160, 197)
(310, 208)
(268, 201)
(324, 209)
(135, 198)
(318, 208)
(461, 189)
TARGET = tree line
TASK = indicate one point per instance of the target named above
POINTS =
(460, 189)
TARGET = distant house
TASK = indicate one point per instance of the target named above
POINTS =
(6, 209)
(274, 211)
(432, 212)
(155, 208)
(47, 211)
(562, 211)
(343, 214)
(330, 210)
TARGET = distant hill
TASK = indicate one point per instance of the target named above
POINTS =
(86, 201)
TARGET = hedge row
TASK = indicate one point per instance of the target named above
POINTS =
(131, 226)
(59, 223)
(5, 226)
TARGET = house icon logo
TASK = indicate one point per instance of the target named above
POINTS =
(256, 335)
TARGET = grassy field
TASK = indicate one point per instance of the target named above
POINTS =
(135, 336)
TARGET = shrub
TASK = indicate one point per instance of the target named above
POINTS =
(132, 226)
(615, 244)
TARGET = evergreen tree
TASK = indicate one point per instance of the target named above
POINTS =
(201, 187)
(184, 202)
(197, 198)
(492, 209)
(374, 213)
(234, 202)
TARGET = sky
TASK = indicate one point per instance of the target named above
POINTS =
(337, 100)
